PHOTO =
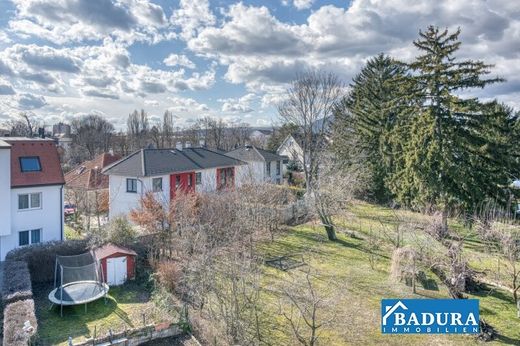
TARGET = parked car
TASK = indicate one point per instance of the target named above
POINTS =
(69, 209)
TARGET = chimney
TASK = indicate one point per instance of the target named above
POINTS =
(187, 144)
(178, 146)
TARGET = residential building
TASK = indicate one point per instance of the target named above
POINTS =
(86, 187)
(31, 190)
(164, 172)
(262, 165)
(292, 149)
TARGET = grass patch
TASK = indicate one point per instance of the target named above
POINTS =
(356, 311)
(71, 233)
(124, 309)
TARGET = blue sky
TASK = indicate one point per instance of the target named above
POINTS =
(63, 58)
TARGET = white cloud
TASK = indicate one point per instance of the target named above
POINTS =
(185, 104)
(238, 105)
(64, 21)
(28, 101)
(192, 16)
(303, 4)
(178, 60)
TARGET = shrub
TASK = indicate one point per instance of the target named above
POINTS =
(17, 282)
(121, 232)
(170, 276)
(41, 258)
(15, 315)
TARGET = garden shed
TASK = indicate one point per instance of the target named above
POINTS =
(117, 262)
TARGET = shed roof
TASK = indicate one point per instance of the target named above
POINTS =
(111, 249)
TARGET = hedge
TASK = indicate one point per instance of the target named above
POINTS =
(15, 315)
(41, 258)
(17, 282)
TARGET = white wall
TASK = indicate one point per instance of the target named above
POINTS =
(208, 179)
(252, 173)
(121, 202)
(274, 177)
(49, 218)
(5, 191)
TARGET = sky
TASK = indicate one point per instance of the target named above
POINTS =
(60, 59)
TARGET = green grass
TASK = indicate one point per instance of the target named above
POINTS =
(71, 234)
(124, 309)
(356, 312)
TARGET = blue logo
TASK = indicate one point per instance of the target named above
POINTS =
(430, 316)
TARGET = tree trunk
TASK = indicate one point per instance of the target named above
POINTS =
(331, 232)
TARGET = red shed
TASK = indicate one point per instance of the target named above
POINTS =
(118, 263)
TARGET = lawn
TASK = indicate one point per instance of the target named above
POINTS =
(355, 313)
(127, 306)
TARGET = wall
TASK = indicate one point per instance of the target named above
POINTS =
(5, 191)
(251, 173)
(274, 178)
(121, 202)
(49, 217)
(209, 180)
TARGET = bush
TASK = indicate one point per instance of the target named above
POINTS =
(41, 258)
(169, 275)
(121, 232)
(17, 282)
(15, 315)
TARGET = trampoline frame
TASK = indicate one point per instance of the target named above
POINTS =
(61, 302)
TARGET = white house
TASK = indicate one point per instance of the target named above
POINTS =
(292, 149)
(166, 171)
(262, 165)
(31, 190)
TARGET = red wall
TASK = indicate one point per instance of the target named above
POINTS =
(184, 180)
(130, 265)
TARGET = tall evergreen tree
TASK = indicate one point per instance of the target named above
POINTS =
(368, 113)
(442, 144)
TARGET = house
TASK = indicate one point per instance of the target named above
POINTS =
(85, 183)
(291, 148)
(31, 190)
(262, 165)
(117, 263)
(166, 171)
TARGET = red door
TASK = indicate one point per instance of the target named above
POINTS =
(184, 182)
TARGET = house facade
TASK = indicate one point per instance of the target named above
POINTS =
(262, 165)
(165, 172)
(31, 186)
(86, 187)
(292, 149)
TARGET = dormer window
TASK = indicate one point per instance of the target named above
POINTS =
(30, 164)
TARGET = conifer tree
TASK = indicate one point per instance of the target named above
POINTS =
(368, 113)
(444, 154)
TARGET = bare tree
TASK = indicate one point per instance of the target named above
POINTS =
(308, 308)
(310, 105)
(168, 130)
(138, 128)
(24, 126)
(92, 133)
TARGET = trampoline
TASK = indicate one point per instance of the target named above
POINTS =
(80, 281)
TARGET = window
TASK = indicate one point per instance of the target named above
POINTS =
(157, 184)
(29, 237)
(189, 180)
(30, 164)
(277, 167)
(131, 185)
(177, 181)
(268, 167)
(29, 201)
(198, 178)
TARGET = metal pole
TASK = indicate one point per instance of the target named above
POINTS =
(61, 292)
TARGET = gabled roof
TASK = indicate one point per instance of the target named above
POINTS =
(152, 162)
(252, 153)
(45, 150)
(111, 249)
(88, 174)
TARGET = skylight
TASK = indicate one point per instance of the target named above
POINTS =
(30, 164)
